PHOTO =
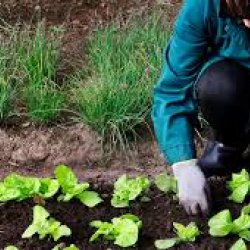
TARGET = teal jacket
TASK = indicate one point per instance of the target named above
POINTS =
(203, 34)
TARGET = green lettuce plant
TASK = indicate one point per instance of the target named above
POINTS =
(10, 248)
(17, 187)
(128, 189)
(48, 187)
(71, 247)
(184, 234)
(222, 224)
(166, 183)
(123, 230)
(44, 225)
(239, 185)
(72, 189)
(239, 245)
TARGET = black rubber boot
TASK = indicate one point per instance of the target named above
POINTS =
(220, 160)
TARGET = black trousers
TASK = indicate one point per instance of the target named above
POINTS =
(223, 92)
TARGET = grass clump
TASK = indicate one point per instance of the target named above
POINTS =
(28, 64)
(6, 96)
(9, 77)
(39, 59)
(115, 97)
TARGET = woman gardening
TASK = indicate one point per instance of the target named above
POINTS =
(206, 68)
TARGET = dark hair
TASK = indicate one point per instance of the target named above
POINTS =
(238, 8)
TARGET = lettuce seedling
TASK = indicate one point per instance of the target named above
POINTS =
(184, 234)
(222, 224)
(71, 247)
(72, 189)
(17, 187)
(43, 225)
(239, 186)
(239, 245)
(10, 248)
(127, 189)
(166, 183)
(123, 230)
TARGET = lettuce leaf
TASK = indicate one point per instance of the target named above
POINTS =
(10, 248)
(166, 244)
(25, 186)
(166, 183)
(242, 223)
(45, 226)
(7, 194)
(123, 230)
(239, 245)
(239, 186)
(221, 224)
(238, 179)
(128, 189)
(246, 209)
(245, 235)
(184, 234)
(72, 189)
(89, 198)
(68, 183)
(17, 187)
(71, 247)
(188, 233)
(48, 187)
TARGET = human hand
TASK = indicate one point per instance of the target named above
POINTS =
(193, 190)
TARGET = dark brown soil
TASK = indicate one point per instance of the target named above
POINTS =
(157, 216)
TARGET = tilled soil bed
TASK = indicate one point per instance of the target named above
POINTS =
(157, 216)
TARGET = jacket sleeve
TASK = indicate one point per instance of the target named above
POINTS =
(174, 106)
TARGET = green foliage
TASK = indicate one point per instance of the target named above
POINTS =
(17, 187)
(43, 225)
(239, 186)
(184, 234)
(115, 97)
(6, 97)
(239, 245)
(48, 187)
(71, 189)
(28, 65)
(10, 248)
(71, 247)
(10, 77)
(166, 183)
(122, 230)
(39, 58)
(222, 224)
(128, 189)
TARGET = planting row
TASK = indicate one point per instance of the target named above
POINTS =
(123, 230)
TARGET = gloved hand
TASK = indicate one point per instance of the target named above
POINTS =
(193, 190)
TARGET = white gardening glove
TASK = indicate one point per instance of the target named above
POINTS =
(193, 190)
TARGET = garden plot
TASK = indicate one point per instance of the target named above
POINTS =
(155, 210)
(48, 81)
